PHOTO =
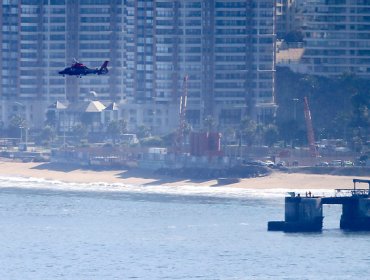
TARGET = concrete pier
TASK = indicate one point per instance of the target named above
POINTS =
(356, 214)
(303, 214)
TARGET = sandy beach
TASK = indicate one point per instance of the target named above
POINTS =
(73, 173)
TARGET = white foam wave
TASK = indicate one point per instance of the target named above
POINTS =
(184, 190)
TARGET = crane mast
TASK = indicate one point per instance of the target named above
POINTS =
(310, 132)
(179, 140)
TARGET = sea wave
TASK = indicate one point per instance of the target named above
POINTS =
(179, 190)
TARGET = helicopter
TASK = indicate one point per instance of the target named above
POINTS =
(78, 69)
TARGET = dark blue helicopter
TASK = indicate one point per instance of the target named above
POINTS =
(78, 69)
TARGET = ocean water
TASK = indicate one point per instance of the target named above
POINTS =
(55, 230)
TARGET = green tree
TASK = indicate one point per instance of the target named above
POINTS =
(2, 127)
(16, 126)
(259, 134)
(187, 129)
(116, 128)
(360, 109)
(359, 122)
(142, 131)
(288, 131)
(339, 126)
(209, 123)
(294, 36)
(87, 118)
(248, 131)
(152, 141)
(48, 134)
(271, 134)
(51, 119)
(168, 139)
(80, 131)
(229, 135)
(339, 106)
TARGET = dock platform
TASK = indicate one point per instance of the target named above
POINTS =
(304, 214)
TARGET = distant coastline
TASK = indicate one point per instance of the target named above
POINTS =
(75, 173)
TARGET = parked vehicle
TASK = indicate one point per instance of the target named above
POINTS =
(348, 163)
(336, 162)
(256, 163)
(269, 163)
(322, 164)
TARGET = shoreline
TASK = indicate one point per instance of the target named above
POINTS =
(76, 174)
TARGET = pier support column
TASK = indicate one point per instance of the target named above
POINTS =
(301, 214)
(356, 214)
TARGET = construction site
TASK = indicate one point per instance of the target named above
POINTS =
(203, 153)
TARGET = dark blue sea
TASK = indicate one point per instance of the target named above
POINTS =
(55, 230)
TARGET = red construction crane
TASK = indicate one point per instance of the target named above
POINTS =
(179, 140)
(310, 133)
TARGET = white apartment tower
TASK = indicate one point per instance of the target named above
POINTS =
(337, 37)
(226, 48)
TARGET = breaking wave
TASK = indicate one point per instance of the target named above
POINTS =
(178, 190)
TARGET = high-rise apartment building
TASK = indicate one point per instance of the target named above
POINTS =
(96, 34)
(47, 35)
(10, 42)
(337, 37)
(226, 48)
(285, 17)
